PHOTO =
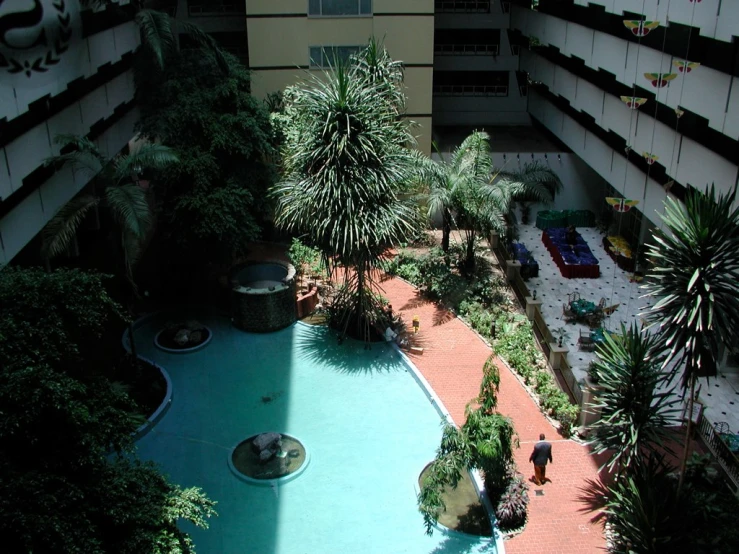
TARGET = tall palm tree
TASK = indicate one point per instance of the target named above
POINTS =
(695, 278)
(635, 408)
(459, 190)
(469, 191)
(116, 187)
(346, 165)
(535, 182)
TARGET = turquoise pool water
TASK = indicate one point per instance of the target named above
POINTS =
(368, 426)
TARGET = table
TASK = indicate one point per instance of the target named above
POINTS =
(572, 260)
(529, 266)
(547, 219)
(598, 336)
(580, 218)
(732, 441)
(582, 308)
(620, 252)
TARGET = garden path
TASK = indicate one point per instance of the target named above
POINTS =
(452, 360)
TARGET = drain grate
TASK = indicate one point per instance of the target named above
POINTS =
(539, 493)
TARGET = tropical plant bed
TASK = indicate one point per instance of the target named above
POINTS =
(464, 511)
(145, 384)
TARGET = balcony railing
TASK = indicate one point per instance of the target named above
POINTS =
(466, 49)
(216, 7)
(470, 90)
(461, 6)
(725, 457)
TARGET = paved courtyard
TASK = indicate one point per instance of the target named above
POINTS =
(720, 395)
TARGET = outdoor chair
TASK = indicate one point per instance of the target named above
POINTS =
(568, 315)
(595, 319)
(722, 428)
(571, 297)
(585, 342)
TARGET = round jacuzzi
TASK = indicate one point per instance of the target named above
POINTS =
(263, 296)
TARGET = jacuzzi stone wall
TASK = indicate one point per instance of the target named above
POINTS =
(269, 307)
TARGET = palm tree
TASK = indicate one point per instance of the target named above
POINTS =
(459, 190)
(345, 166)
(116, 187)
(634, 411)
(535, 182)
(469, 191)
(695, 278)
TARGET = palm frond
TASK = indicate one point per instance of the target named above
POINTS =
(84, 155)
(157, 34)
(695, 278)
(130, 207)
(59, 232)
(209, 45)
(142, 157)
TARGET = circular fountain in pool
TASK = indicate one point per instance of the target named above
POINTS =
(263, 296)
(268, 458)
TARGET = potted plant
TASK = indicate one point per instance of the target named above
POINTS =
(561, 334)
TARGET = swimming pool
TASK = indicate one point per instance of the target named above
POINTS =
(369, 427)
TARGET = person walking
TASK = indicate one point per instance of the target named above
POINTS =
(541, 454)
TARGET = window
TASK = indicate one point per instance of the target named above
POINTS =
(327, 56)
(329, 8)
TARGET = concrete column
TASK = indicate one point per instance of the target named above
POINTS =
(513, 268)
(556, 353)
(531, 307)
(589, 390)
(494, 240)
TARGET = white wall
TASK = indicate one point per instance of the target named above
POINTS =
(25, 154)
(19, 226)
(685, 160)
(583, 187)
(703, 91)
(717, 19)
(625, 177)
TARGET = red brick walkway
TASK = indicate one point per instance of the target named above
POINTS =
(452, 363)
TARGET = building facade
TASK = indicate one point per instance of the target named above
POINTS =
(645, 92)
(476, 77)
(290, 37)
(63, 70)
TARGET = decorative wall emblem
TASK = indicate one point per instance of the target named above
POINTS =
(640, 28)
(35, 37)
(633, 102)
(651, 158)
(684, 66)
(621, 204)
(660, 80)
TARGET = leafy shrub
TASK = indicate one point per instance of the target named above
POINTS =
(567, 414)
(544, 380)
(302, 256)
(512, 506)
(477, 316)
